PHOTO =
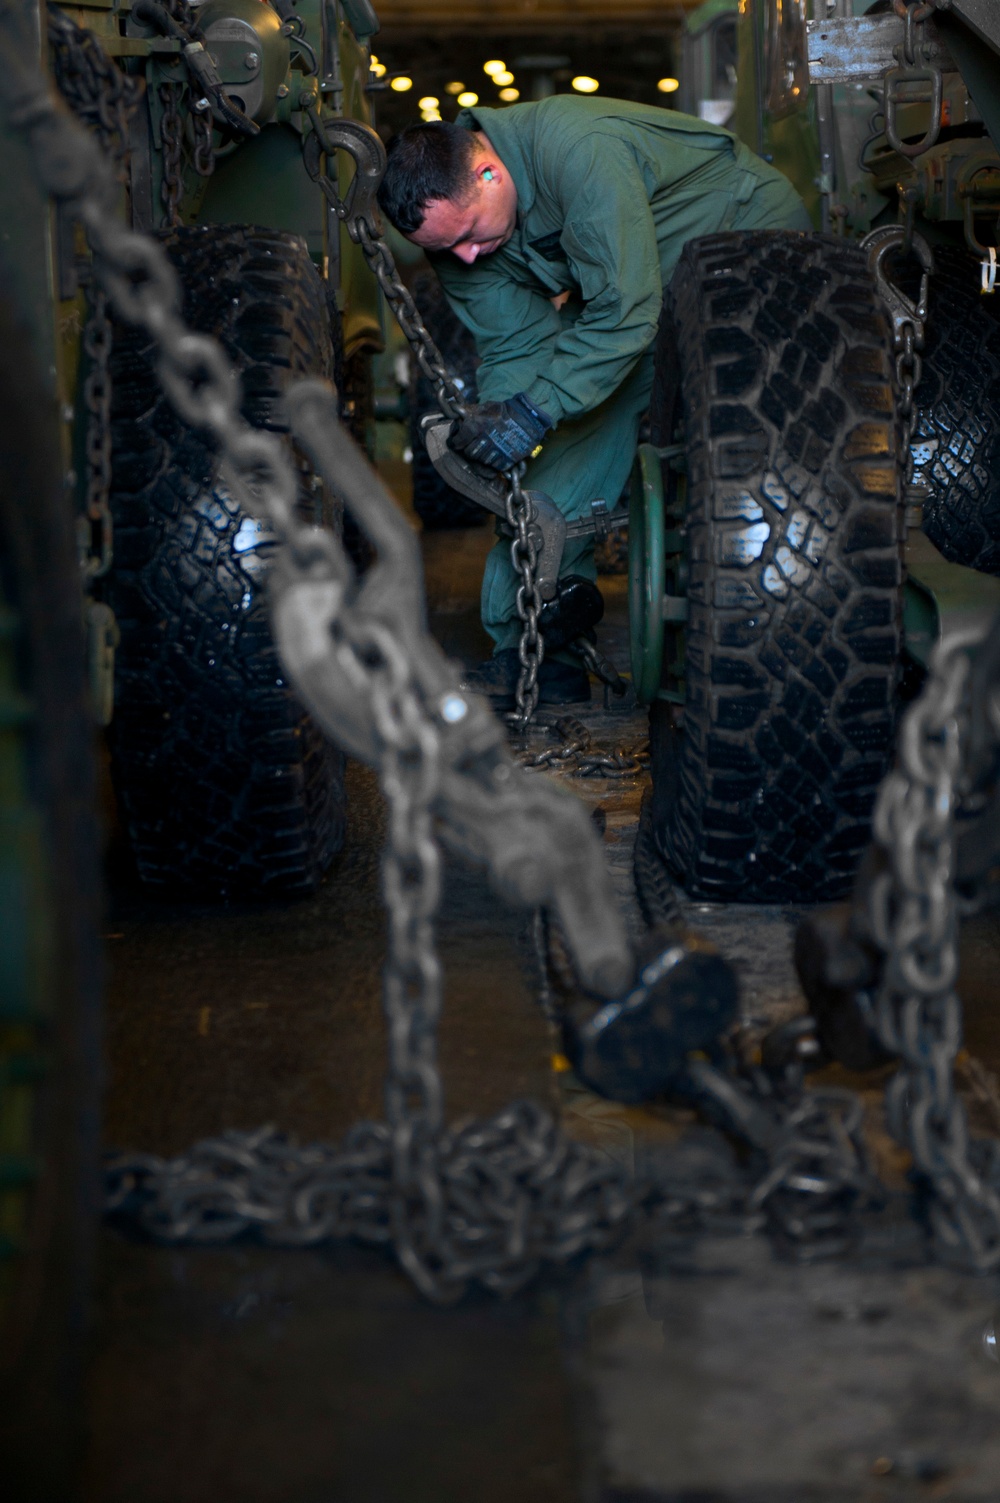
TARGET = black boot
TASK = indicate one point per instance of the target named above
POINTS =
(558, 683)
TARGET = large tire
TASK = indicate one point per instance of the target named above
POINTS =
(50, 1046)
(956, 442)
(226, 786)
(794, 531)
(434, 501)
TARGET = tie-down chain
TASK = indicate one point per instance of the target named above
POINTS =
(881, 975)
(486, 1201)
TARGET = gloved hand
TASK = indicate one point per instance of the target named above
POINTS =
(501, 434)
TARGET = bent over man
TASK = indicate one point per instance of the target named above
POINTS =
(516, 208)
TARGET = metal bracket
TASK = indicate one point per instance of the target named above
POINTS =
(848, 50)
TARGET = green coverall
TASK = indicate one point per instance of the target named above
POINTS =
(608, 194)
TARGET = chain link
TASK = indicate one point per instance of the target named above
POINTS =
(172, 185)
(524, 550)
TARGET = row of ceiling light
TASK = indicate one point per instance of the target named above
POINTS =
(497, 70)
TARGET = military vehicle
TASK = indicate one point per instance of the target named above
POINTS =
(825, 402)
(224, 785)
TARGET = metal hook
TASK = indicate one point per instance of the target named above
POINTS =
(903, 311)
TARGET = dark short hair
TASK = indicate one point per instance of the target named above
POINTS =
(425, 162)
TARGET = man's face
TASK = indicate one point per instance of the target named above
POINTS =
(481, 222)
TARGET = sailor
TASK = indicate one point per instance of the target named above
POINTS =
(554, 228)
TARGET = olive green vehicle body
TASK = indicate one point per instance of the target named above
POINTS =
(822, 135)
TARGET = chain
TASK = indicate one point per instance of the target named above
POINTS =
(364, 226)
(914, 919)
(575, 753)
(809, 1177)
(103, 98)
(909, 369)
(172, 186)
(100, 95)
(447, 389)
(203, 155)
(524, 550)
(908, 316)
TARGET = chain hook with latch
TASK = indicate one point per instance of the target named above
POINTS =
(908, 317)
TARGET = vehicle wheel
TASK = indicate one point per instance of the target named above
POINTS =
(434, 501)
(794, 540)
(956, 442)
(50, 1054)
(226, 785)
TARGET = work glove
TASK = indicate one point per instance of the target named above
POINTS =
(501, 434)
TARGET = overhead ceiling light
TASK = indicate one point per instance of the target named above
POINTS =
(379, 69)
(429, 116)
(454, 88)
(668, 85)
(494, 66)
(503, 78)
(509, 95)
(428, 102)
(585, 85)
(401, 83)
(467, 99)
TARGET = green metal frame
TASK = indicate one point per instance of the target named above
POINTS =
(657, 556)
(921, 620)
